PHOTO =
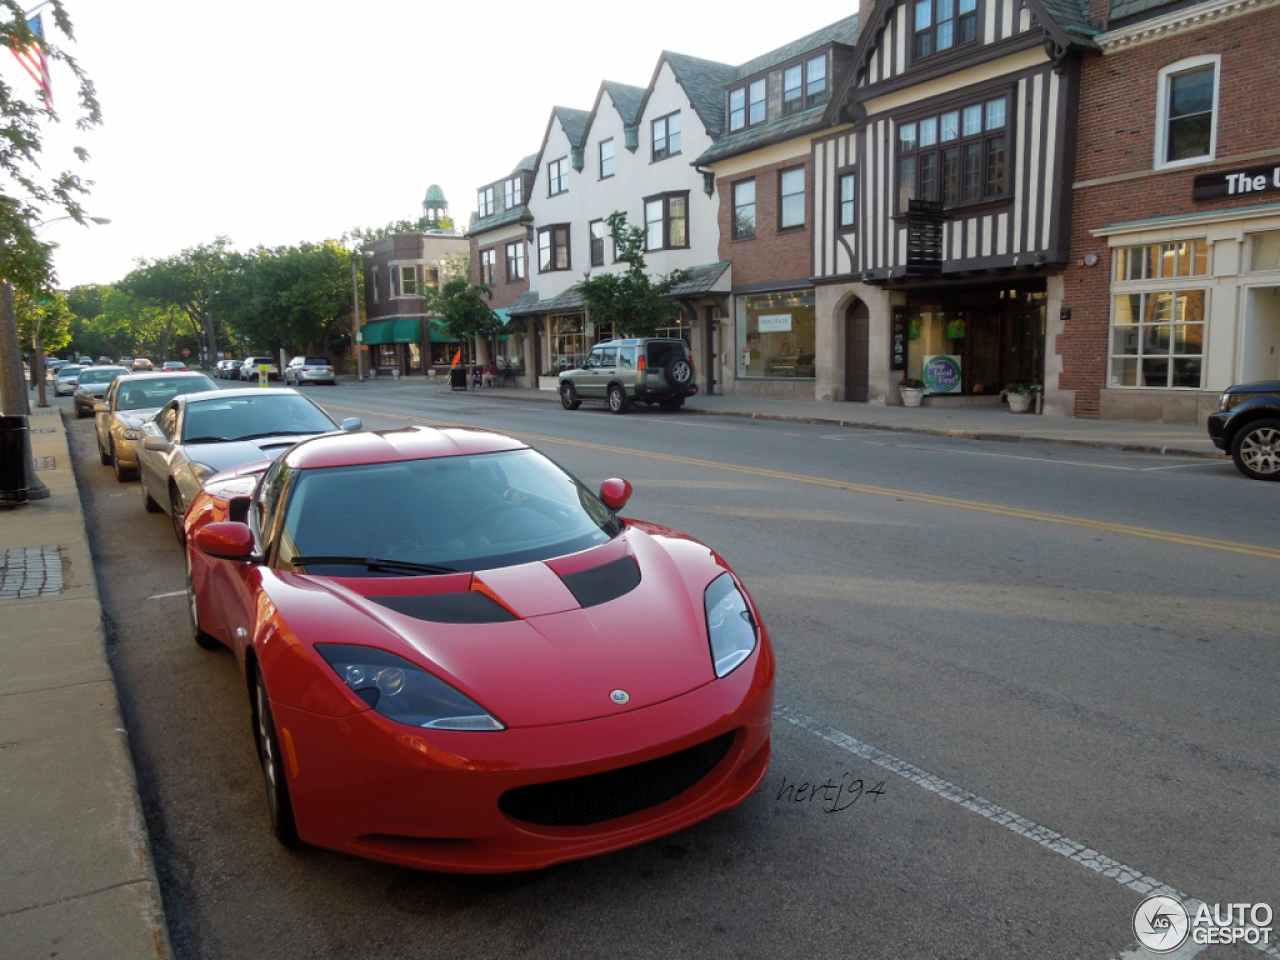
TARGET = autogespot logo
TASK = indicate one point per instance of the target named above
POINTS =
(1161, 924)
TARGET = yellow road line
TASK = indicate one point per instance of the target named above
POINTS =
(1123, 529)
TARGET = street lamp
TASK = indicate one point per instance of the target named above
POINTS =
(356, 263)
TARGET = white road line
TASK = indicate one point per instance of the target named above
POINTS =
(164, 596)
(1128, 877)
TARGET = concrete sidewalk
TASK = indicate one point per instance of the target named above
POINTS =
(78, 879)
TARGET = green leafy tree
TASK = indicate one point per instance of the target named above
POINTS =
(189, 281)
(461, 306)
(635, 304)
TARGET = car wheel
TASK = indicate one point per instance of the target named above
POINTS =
(177, 513)
(148, 502)
(569, 397)
(618, 402)
(80, 412)
(103, 455)
(679, 371)
(202, 639)
(1256, 450)
(123, 474)
(282, 822)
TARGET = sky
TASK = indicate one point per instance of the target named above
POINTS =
(275, 122)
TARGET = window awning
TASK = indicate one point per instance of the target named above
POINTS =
(438, 333)
(400, 330)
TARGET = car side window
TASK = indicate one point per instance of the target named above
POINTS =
(265, 515)
(167, 421)
(595, 360)
(609, 358)
(627, 359)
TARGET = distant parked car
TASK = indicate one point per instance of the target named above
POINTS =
(128, 402)
(1247, 426)
(309, 370)
(639, 370)
(91, 387)
(142, 364)
(174, 366)
(249, 369)
(227, 369)
(195, 435)
(64, 384)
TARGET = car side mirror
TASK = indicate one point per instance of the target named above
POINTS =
(615, 493)
(156, 444)
(101, 408)
(227, 540)
(351, 425)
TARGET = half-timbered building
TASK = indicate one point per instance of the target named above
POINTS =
(942, 201)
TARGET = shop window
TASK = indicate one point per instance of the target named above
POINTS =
(1264, 251)
(568, 342)
(777, 335)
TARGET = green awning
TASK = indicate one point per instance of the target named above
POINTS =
(438, 333)
(400, 330)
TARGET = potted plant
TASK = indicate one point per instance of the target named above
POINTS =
(912, 391)
(549, 380)
(1019, 396)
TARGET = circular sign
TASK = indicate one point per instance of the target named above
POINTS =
(186, 352)
(1161, 924)
(942, 374)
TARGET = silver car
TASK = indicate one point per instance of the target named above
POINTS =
(129, 401)
(309, 370)
(64, 384)
(197, 435)
(91, 386)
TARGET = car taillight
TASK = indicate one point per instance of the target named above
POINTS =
(642, 364)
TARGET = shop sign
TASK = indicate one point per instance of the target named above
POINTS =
(942, 374)
(775, 323)
(1236, 183)
(898, 361)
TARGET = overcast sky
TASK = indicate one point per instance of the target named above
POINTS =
(274, 122)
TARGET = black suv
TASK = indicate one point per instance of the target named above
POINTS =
(641, 369)
(1247, 426)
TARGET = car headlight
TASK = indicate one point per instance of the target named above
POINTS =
(132, 433)
(201, 472)
(404, 692)
(730, 626)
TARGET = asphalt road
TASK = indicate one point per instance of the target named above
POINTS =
(1017, 687)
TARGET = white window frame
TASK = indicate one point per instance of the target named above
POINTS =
(515, 261)
(1162, 110)
(512, 193)
(557, 176)
(484, 202)
(606, 159)
(400, 290)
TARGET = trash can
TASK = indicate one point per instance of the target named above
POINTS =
(13, 461)
(458, 378)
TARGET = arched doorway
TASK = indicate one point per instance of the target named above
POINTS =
(857, 352)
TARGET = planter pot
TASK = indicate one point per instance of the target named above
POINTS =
(1019, 402)
(549, 383)
(911, 396)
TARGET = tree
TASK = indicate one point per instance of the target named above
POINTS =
(460, 305)
(189, 281)
(634, 304)
(30, 196)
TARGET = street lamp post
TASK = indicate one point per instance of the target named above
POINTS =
(357, 261)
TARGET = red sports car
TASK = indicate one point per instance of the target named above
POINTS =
(459, 658)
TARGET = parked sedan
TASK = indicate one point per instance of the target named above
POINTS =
(227, 369)
(91, 387)
(128, 402)
(196, 435)
(1247, 426)
(459, 658)
(64, 384)
(174, 366)
(142, 364)
(309, 370)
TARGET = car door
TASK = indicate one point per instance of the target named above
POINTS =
(156, 466)
(601, 362)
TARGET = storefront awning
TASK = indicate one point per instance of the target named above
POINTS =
(401, 330)
(437, 331)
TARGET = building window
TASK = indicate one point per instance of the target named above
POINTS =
(666, 221)
(666, 136)
(488, 267)
(804, 85)
(568, 341)
(553, 248)
(404, 280)
(846, 211)
(598, 232)
(515, 261)
(606, 158)
(1157, 328)
(557, 176)
(512, 193)
(955, 157)
(484, 202)
(744, 209)
(791, 198)
(747, 105)
(1186, 105)
(1264, 251)
(943, 24)
(777, 334)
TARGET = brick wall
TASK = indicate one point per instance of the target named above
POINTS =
(773, 254)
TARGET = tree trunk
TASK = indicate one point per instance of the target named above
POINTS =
(13, 393)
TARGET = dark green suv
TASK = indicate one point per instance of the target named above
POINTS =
(636, 370)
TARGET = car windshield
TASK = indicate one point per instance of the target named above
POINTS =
(243, 418)
(69, 372)
(449, 513)
(99, 375)
(157, 391)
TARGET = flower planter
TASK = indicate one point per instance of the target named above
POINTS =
(911, 396)
(1019, 402)
(549, 383)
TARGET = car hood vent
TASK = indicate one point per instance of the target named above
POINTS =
(606, 582)
(468, 607)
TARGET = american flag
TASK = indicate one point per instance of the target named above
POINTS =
(31, 56)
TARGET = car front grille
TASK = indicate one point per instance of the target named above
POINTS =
(582, 801)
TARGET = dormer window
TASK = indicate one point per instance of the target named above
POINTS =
(484, 202)
(747, 105)
(804, 85)
(513, 193)
(941, 25)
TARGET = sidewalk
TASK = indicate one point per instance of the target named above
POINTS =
(78, 880)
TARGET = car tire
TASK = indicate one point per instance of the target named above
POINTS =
(618, 402)
(103, 455)
(80, 412)
(148, 502)
(202, 639)
(283, 824)
(123, 474)
(177, 513)
(569, 397)
(1256, 450)
(679, 371)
